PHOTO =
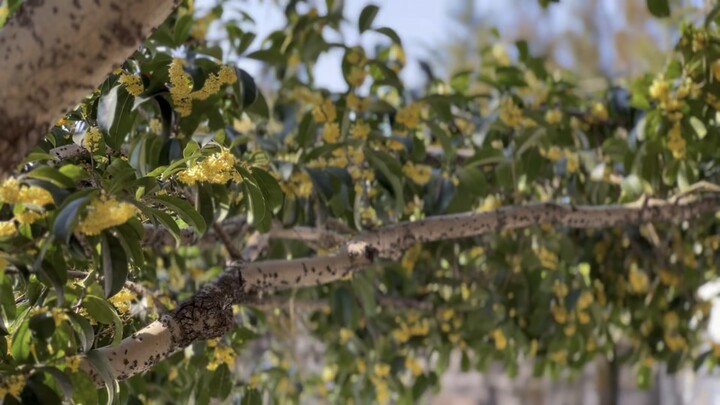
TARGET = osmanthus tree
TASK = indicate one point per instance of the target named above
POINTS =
(176, 219)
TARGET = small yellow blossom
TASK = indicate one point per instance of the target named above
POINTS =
(173, 374)
(381, 370)
(12, 192)
(675, 142)
(414, 366)
(715, 67)
(357, 76)
(104, 213)
(325, 112)
(583, 317)
(499, 338)
(360, 130)
(553, 116)
(639, 281)
(361, 366)
(28, 216)
(548, 259)
(133, 83)
(671, 320)
(669, 278)
(345, 335)
(500, 55)
(674, 341)
(122, 300)
(218, 168)
(72, 363)
(558, 357)
(91, 139)
(599, 112)
(418, 173)
(356, 103)
(409, 116)
(222, 354)
(331, 132)
(7, 228)
(659, 89)
(510, 114)
(181, 85)
(585, 300)
(572, 163)
(12, 385)
(559, 313)
(560, 289)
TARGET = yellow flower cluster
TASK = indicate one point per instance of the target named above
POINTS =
(222, 354)
(418, 173)
(299, 185)
(345, 335)
(72, 363)
(499, 338)
(12, 385)
(181, 85)
(670, 103)
(554, 116)
(500, 55)
(324, 112)
(133, 83)
(409, 116)
(104, 213)
(218, 168)
(675, 141)
(360, 130)
(356, 103)
(91, 139)
(548, 259)
(331, 132)
(559, 313)
(413, 366)
(413, 327)
(7, 228)
(357, 75)
(122, 300)
(510, 114)
(560, 289)
(639, 281)
(11, 192)
(669, 278)
(599, 113)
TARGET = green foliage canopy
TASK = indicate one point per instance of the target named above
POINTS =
(179, 142)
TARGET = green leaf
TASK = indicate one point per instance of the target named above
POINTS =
(246, 90)
(258, 214)
(390, 33)
(67, 216)
(166, 220)
(103, 312)
(42, 326)
(20, 348)
(52, 175)
(274, 195)
(61, 379)
(367, 15)
(116, 116)
(699, 127)
(83, 331)
(115, 264)
(659, 8)
(390, 170)
(183, 25)
(186, 211)
(104, 370)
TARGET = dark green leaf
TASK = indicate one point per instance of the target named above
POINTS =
(115, 264)
(659, 8)
(103, 312)
(186, 211)
(367, 15)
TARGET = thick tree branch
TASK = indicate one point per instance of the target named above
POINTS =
(209, 313)
(55, 52)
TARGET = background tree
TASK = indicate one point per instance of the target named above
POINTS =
(176, 216)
